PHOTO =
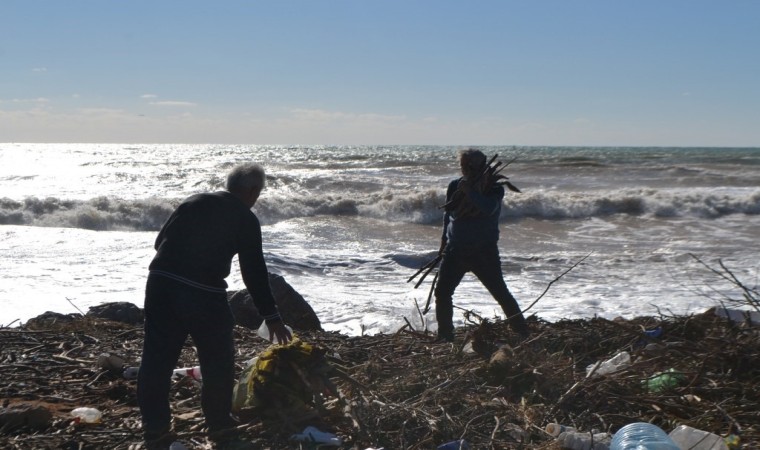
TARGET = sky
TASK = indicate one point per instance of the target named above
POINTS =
(363, 72)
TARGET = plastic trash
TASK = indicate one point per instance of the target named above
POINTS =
(695, 439)
(642, 436)
(177, 445)
(617, 362)
(263, 333)
(653, 333)
(192, 372)
(555, 429)
(663, 380)
(577, 440)
(87, 415)
(460, 444)
(130, 373)
(314, 435)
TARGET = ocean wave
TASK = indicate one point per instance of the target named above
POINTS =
(100, 213)
(423, 207)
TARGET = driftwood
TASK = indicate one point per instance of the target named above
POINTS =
(402, 391)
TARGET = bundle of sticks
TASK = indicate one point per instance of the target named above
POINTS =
(483, 182)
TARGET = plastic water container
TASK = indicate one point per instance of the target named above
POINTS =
(87, 415)
(695, 439)
(264, 333)
(642, 436)
(617, 362)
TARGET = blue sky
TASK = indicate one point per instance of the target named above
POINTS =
(585, 72)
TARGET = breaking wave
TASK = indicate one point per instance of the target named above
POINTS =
(107, 213)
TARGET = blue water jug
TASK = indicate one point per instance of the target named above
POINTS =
(642, 436)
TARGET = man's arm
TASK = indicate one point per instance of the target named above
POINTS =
(255, 274)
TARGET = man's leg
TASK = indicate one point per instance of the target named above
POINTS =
(488, 270)
(449, 276)
(164, 338)
(212, 336)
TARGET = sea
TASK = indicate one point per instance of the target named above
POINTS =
(595, 232)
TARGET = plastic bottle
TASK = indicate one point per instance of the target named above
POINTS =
(555, 429)
(87, 415)
(192, 372)
(264, 333)
(663, 380)
(577, 440)
(695, 439)
(642, 436)
(617, 362)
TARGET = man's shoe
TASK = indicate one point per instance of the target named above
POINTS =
(235, 444)
(160, 441)
(445, 338)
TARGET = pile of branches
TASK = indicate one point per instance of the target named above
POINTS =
(403, 390)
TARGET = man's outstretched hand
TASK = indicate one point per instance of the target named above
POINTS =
(279, 331)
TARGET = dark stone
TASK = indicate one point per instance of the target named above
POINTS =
(294, 309)
(124, 312)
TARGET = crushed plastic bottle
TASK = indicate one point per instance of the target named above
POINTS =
(555, 429)
(87, 415)
(617, 362)
(642, 436)
(576, 440)
(264, 333)
(695, 439)
(192, 372)
(314, 435)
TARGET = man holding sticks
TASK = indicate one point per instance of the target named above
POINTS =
(469, 240)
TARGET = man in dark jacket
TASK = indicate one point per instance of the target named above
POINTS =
(186, 295)
(469, 243)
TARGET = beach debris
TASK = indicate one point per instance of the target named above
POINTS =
(399, 391)
(313, 435)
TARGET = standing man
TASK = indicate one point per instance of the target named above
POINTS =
(469, 243)
(186, 295)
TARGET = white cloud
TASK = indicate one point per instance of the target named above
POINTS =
(30, 100)
(39, 69)
(172, 103)
(149, 96)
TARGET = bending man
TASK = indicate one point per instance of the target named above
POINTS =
(186, 295)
